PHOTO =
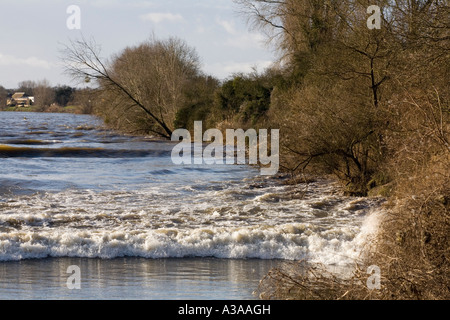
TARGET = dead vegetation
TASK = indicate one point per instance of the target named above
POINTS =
(412, 245)
(371, 107)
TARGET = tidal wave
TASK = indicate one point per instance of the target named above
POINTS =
(70, 188)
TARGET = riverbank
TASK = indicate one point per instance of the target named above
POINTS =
(49, 109)
(406, 258)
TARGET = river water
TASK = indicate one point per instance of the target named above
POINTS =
(73, 192)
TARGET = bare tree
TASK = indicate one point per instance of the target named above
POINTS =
(42, 91)
(3, 96)
(337, 94)
(373, 107)
(44, 94)
(146, 80)
(27, 86)
(295, 26)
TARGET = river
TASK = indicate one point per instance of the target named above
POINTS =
(73, 192)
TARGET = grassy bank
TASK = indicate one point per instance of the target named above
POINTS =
(50, 109)
(20, 109)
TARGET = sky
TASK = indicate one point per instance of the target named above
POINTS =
(33, 33)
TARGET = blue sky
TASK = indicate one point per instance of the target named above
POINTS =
(31, 34)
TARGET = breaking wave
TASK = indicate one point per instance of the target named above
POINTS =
(79, 190)
(155, 224)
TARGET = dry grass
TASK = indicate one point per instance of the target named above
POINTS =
(303, 281)
(414, 242)
(411, 250)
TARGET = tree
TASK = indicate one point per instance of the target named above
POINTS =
(27, 86)
(42, 91)
(340, 68)
(372, 107)
(63, 95)
(3, 97)
(296, 27)
(85, 99)
(44, 94)
(143, 84)
(244, 99)
(198, 103)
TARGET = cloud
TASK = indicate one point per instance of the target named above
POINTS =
(246, 67)
(8, 60)
(238, 39)
(227, 25)
(226, 69)
(119, 3)
(160, 17)
(246, 41)
(142, 4)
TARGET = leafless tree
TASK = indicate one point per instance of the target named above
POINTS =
(3, 96)
(145, 80)
(44, 94)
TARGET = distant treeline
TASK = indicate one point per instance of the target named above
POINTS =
(61, 98)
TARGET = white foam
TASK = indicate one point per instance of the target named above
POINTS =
(279, 242)
(157, 223)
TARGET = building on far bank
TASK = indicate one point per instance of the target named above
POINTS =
(19, 99)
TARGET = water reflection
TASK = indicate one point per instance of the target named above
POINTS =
(134, 278)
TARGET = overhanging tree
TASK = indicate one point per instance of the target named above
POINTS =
(149, 77)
